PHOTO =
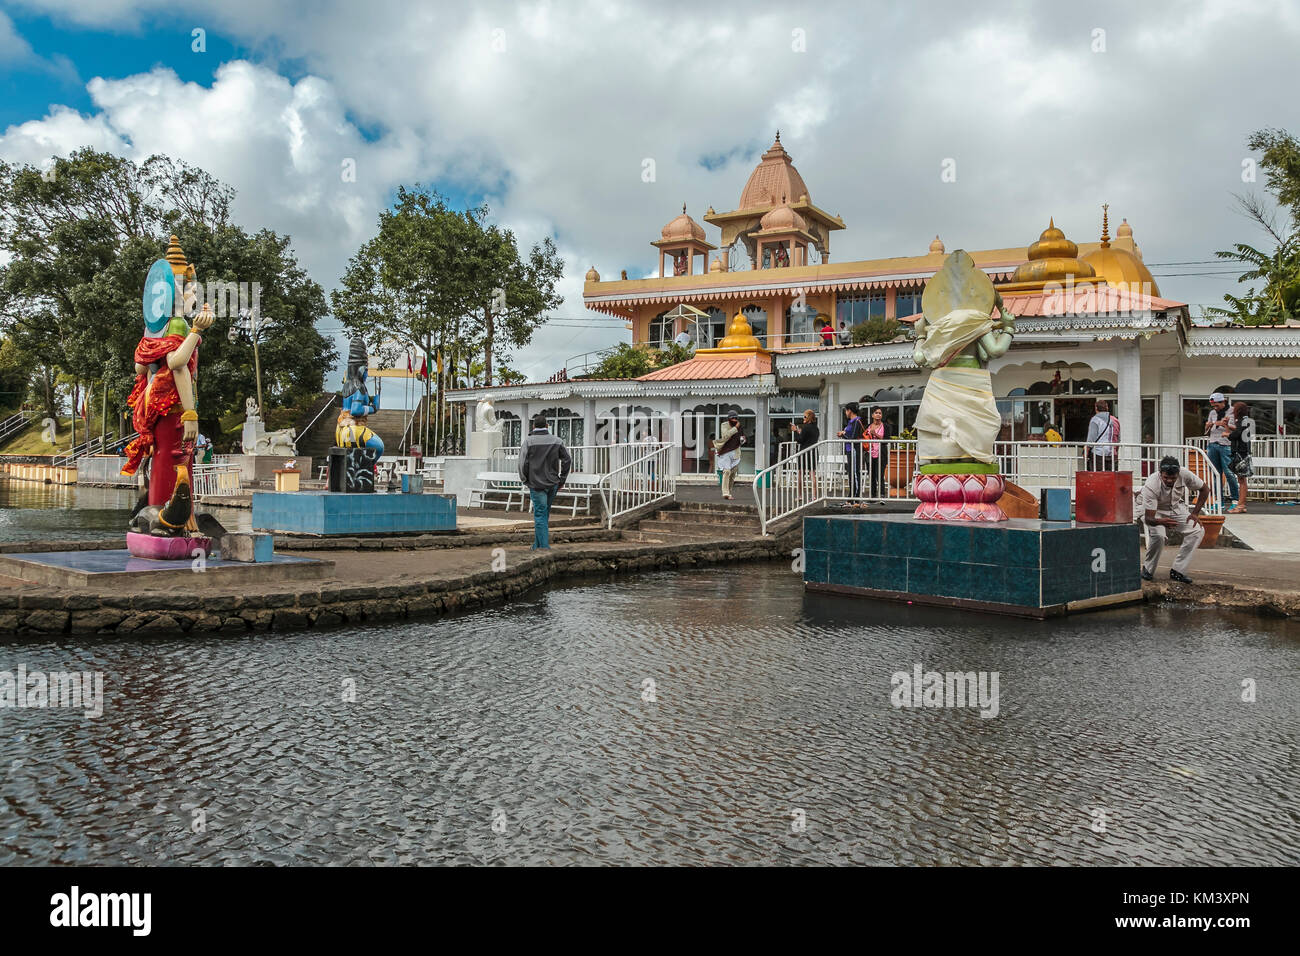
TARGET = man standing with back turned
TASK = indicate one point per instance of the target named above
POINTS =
(544, 465)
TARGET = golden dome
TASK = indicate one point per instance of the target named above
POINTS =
(1053, 258)
(1120, 268)
(683, 227)
(715, 266)
(593, 275)
(937, 245)
(740, 335)
(782, 217)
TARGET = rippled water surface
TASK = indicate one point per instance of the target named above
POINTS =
(38, 512)
(1121, 738)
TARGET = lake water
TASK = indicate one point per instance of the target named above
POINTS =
(523, 734)
(37, 512)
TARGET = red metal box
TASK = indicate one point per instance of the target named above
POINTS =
(1103, 497)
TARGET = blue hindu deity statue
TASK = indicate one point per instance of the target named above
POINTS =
(352, 431)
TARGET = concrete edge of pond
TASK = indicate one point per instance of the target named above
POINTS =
(42, 613)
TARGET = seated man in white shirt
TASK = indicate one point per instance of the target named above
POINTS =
(1163, 500)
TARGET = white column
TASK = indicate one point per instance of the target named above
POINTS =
(1170, 430)
(762, 426)
(1129, 372)
(589, 421)
(675, 435)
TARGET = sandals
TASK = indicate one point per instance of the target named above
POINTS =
(1239, 510)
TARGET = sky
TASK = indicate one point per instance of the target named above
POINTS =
(549, 111)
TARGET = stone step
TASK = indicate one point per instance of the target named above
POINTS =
(656, 537)
(726, 507)
(697, 530)
(712, 517)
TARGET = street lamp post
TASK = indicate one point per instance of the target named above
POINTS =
(249, 322)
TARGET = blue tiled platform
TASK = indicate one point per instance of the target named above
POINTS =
(1023, 566)
(336, 513)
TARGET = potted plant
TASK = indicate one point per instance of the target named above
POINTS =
(902, 463)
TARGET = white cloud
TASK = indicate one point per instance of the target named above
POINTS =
(553, 116)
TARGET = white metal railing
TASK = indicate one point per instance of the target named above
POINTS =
(222, 480)
(825, 472)
(15, 423)
(639, 482)
(93, 446)
(103, 470)
(1275, 465)
(587, 459)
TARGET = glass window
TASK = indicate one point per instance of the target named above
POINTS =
(1290, 417)
(661, 331)
(906, 303)
(1265, 416)
(1149, 418)
(1014, 427)
(511, 429)
(630, 423)
(855, 309)
(704, 423)
(757, 319)
(1290, 386)
(801, 325)
(713, 329)
(565, 424)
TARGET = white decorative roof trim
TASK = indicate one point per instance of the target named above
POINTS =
(1124, 325)
(1243, 342)
(618, 388)
(864, 358)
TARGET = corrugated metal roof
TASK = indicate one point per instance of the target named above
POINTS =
(1085, 300)
(713, 367)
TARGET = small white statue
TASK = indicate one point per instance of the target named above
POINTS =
(278, 443)
(485, 417)
(250, 408)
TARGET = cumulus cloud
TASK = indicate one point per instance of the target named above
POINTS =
(551, 110)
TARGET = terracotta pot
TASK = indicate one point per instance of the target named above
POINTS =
(1212, 524)
(899, 471)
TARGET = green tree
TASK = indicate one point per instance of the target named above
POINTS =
(633, 361)
(875, 330)
(1278, 269)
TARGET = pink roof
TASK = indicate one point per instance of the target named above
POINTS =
(713, 367)
(1085, 300)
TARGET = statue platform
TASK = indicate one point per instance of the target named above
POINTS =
(1026, 567)
(119, 567)
(340, 513)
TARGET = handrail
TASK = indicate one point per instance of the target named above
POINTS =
(587, 459)
(821, 472)
(642, 481)
(323, 409)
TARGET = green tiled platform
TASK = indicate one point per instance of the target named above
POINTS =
(338, 513)
(1022, 566)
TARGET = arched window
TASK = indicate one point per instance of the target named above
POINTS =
(713, 329)
(565, 424)
(512, 429)
(624, 424)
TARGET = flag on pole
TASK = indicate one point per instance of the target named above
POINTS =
(424, 369)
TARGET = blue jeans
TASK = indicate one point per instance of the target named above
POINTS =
(542, 515)
(1221, 458)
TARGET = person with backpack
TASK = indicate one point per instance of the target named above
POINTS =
(854, 428)
(1218, 429)
(1240, 434)
(1103, 438)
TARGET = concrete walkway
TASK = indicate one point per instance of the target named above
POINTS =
(1277, 533)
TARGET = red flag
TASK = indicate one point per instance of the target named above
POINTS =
(408, 362)
(424, 368)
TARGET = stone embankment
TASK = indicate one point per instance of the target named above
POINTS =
(378, 580)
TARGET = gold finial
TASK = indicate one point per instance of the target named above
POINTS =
(176, 257)
(1105, 225)
(683, 209)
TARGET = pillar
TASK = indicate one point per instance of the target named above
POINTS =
(762, 433)
(527, 422)
(1129, 374)
(1169, 427)
(674, 435)
(589, 421)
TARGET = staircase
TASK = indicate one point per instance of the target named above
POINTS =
(691, 521)
(315, 429)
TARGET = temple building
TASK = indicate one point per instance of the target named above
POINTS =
(1091, 322)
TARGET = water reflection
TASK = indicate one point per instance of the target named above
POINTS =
(30, 511)
(767, 702)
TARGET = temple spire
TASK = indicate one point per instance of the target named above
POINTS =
(1105, 225)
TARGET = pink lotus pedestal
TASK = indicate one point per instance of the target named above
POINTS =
(165, 549)
(959, 497)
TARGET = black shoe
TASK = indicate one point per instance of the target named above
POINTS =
(1147, 575)
(1181, 578)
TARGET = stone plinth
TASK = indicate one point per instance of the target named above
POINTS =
(459, 474)
(1020, 566)
(255, 468)
(482, 444)
(334, 513)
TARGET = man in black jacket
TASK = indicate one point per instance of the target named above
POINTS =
(544, 465)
